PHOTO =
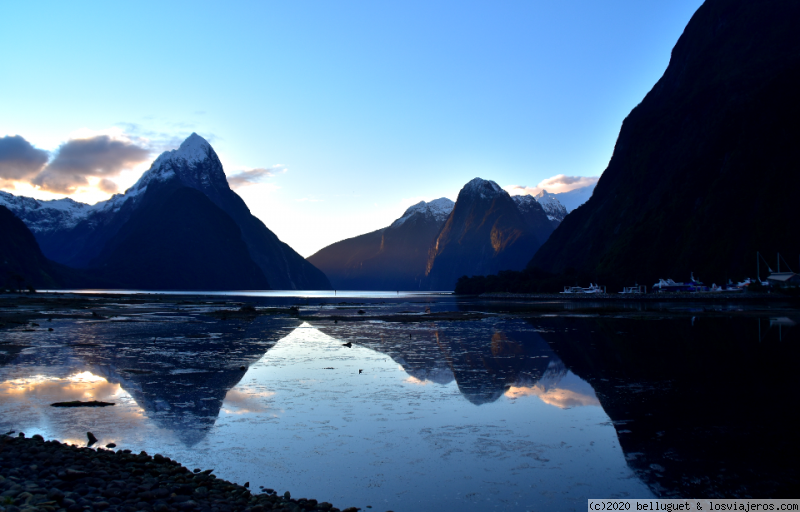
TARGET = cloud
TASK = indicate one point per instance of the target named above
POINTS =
(99, 156)
(560, 397)
(19, 160)
(108, 186)
(253, 176)
(555, 185)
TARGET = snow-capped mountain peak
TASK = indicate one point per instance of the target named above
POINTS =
(194, 149)
(46, 215)
(438, 209)
(195, 163)
(484, 188)
(551, 205)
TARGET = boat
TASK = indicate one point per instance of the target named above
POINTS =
(633, 290)
(593, 288)
(668, 285)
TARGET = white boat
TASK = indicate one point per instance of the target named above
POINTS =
(593, 288)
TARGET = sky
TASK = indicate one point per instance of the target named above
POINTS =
(334, 116)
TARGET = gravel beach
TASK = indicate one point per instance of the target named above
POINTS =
(39, 475)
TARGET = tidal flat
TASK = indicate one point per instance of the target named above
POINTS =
(419, 402)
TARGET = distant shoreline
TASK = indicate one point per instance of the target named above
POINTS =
(644, 297)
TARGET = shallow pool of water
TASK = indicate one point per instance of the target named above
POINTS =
(502, 413)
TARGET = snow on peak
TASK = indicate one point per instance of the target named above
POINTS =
(185, 162)
(192, 150)
(546, 197)
(551, 205)
(486, 188)
(46, 215)
(439, 209)
(523, 200)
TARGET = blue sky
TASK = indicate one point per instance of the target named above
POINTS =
(360, 109)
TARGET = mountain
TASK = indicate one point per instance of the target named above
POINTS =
(181, 242)
(705, 168)
(554, 209)
(392, 258)
(485, 233)
(574, 198)
(536, 215)
(46, 216)
(84, 236)
(21, 261)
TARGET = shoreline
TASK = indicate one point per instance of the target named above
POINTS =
(50, 476)
(732, 298)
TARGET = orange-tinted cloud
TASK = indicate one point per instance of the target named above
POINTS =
(99, 156)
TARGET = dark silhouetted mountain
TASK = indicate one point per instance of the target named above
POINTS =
(180, 241)
(485, 233)
(21, 260)
(77, 235)
(702, 408)
(392, 258)
(705, 168)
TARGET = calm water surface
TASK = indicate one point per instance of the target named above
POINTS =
(509, 412)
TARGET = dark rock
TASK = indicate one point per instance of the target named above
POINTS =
(78, 403)
(72, 480)
(55, 495)
(92, 439)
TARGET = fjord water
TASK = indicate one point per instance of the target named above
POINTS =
(510, 412)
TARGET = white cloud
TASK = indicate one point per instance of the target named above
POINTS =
(253, 176)
(555, 185)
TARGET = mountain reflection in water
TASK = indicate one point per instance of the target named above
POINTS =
(702, 406)
(177, 370)
(487, 360)
(467, 411)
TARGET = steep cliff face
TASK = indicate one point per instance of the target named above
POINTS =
(392, 258)
(705, 169)
(485, 233)
(181, 241)
(21, 261)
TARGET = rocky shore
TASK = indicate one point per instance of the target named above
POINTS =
(48, 476)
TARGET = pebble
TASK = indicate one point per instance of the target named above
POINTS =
(48, 476)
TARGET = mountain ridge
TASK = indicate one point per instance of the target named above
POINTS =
(485, 233)
(667, 203)
(82, 239)
(390, 258)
